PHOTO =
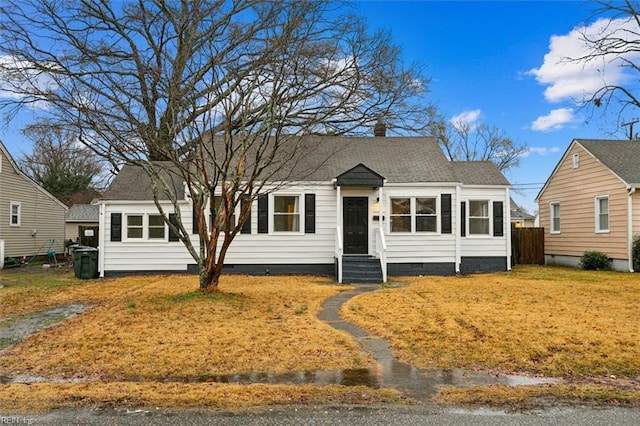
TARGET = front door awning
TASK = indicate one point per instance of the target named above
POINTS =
(360, 175)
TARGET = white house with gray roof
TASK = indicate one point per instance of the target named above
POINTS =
(590, 202)
(373, 207)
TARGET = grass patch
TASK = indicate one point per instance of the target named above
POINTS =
(157, 326)
(46, 396)
(541, 320)
(539, 396)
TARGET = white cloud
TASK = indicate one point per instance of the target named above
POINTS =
(569, 79)
(466, 119)
(555, 120)
(541, 150)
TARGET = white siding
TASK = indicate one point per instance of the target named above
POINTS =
(420, 246)
(315, 248)
(477, 245)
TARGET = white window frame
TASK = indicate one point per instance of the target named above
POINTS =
(300, 213)
(576, 160)
(145, 229)
(489, 217)
(552, 228)
(414, 215)
(598, 214)
(17, 204)
(148, 227)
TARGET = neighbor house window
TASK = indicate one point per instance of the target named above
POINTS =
(401, 214)
(134, 226)
(14, 214)
(286, 213)
(414, 214)
(156, 227)
(602, 213)
(576, 161)
(555, 218)
(479, 217)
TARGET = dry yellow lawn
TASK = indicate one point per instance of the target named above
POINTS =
(548, 321)
(160, 326)
(46, 396)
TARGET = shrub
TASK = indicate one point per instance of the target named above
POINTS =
(594, 261)
(635, 254)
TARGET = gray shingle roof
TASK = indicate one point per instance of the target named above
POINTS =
(83, 213)
(621, 156)
(323, 158)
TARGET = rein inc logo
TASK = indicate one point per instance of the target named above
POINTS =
(15, 420)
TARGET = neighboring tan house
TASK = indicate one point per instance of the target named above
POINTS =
(590, 203)
(82, 224)
(396, 204)
(31, 219)
(520, 218)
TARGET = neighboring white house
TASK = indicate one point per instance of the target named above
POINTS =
(395, 202)
(31, 219)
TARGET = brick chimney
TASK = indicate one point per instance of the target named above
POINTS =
(380, 129)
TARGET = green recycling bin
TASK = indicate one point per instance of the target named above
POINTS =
(85, 263)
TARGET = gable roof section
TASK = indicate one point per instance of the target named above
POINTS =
(325, 158)
(621, 157)
(83, 213)
(19, 172)
(360, 175)
(478, 173)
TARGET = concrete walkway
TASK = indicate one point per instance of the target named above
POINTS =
(415, 383)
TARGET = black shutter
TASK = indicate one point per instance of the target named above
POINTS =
(309, 213)
(263, 214)
(245, 202)
(463, 219)
(194, 228)
(445, 211)
(498, 219)
(116, 226)
(173, 236)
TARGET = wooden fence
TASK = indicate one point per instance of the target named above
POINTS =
(527, 246)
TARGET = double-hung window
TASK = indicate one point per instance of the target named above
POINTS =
(414, 214)
(602, 213)
(286, 213)
(134, 226)
(555, 217)
(14, 214)
(401, 214)
(479, 219)
(145, 227)
(155, 227)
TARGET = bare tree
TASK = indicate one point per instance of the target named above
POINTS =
(219, 91)
(463, 141)
(60, 164)
(616, 43)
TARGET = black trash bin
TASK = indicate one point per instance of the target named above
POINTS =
(85, 263)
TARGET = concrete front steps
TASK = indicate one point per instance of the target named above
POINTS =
(359, 269)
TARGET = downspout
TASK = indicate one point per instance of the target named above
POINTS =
(339, 231)
(507, 223)
(631, 191)
(457, 227)
(101, 239)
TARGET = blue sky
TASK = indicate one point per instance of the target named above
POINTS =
(479, 56)
(494, 63)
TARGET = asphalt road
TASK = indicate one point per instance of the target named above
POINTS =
(304, 415)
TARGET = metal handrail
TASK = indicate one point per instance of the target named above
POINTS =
(339, 251)
(381, 249)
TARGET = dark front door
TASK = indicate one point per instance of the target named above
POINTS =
(355, 218)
